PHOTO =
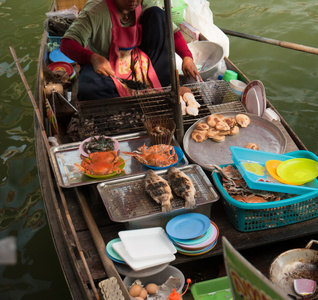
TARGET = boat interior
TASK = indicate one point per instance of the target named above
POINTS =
(77, 213)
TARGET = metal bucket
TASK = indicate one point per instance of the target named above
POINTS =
(295, 264)
(205, 53)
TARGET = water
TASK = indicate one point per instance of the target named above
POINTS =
(290, 79)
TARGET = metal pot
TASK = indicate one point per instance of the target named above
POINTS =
(205, 53)
(295, 264)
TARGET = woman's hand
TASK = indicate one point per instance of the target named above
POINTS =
(189, 68)
(101, 65)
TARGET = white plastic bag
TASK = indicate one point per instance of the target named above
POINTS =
(69, 13)
(199, 15)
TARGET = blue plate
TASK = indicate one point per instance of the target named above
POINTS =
(179, 153)
(188, 226)
(200, 240)
(57, 55)
(112, 254)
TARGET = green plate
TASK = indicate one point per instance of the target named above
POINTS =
(112, 253)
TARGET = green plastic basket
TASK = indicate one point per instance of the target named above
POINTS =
(214, 289)
(177, 10)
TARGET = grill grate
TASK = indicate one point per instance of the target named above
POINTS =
(126, 114)
(127, 199)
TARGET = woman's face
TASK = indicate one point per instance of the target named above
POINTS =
(127, 5)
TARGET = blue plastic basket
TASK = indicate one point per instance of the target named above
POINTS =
(54, 39)
(218, 288)
(259, 216)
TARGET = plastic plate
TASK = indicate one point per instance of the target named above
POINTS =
(81, 146)
(194, 253)
(254, 98)
(202, 245)
(271, 167)
(112, 253)
(298, 170)
(188, 226)
(62, 66)
(196, 241)
(179, 153)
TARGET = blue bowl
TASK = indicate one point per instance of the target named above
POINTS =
(179, 153)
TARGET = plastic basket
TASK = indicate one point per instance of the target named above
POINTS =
(218, 288)
(177, 14)
(177, 10)
(259, 216)
(54, 39)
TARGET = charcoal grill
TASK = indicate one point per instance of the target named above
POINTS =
(126, 114)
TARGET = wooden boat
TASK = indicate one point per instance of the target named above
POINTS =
(81, 228)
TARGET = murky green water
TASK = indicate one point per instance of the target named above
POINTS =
(290, 79)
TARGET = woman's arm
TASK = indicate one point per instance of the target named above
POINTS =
(75, 51)
(81, 55)
(181, 48)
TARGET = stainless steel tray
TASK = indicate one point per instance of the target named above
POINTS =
(63, 158)
(126, 199)
(260, 131)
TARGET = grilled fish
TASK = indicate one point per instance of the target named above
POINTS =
(182, 185)
(159, 190)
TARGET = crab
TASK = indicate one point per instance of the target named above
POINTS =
(103, 156)
(236, 187)
(101, 163)
(157, 156)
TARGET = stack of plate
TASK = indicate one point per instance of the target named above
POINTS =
(192, 234)
(142, 248)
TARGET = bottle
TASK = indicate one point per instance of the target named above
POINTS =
(175, 295)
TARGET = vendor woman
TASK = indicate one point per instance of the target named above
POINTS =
(122, 38)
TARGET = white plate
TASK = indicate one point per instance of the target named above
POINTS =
(81, 146)
(254, 98)
(138, 265)
(252, 103)
(147, 243)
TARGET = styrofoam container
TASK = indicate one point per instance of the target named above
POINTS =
(158, 278)
(147, 243)
(142, 264)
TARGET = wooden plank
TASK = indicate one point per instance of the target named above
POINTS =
(240, 240)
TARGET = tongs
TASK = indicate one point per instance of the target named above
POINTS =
(133, 84)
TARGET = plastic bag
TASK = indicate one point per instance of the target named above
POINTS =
(199, 15)
(69, 13)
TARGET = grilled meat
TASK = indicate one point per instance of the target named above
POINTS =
(182, 185)
(159, 190)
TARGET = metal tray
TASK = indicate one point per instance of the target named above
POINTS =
(63, 158)
(126, 199)
(260, 131)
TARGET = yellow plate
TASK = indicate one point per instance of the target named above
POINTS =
(298, 170)
(271, 166)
